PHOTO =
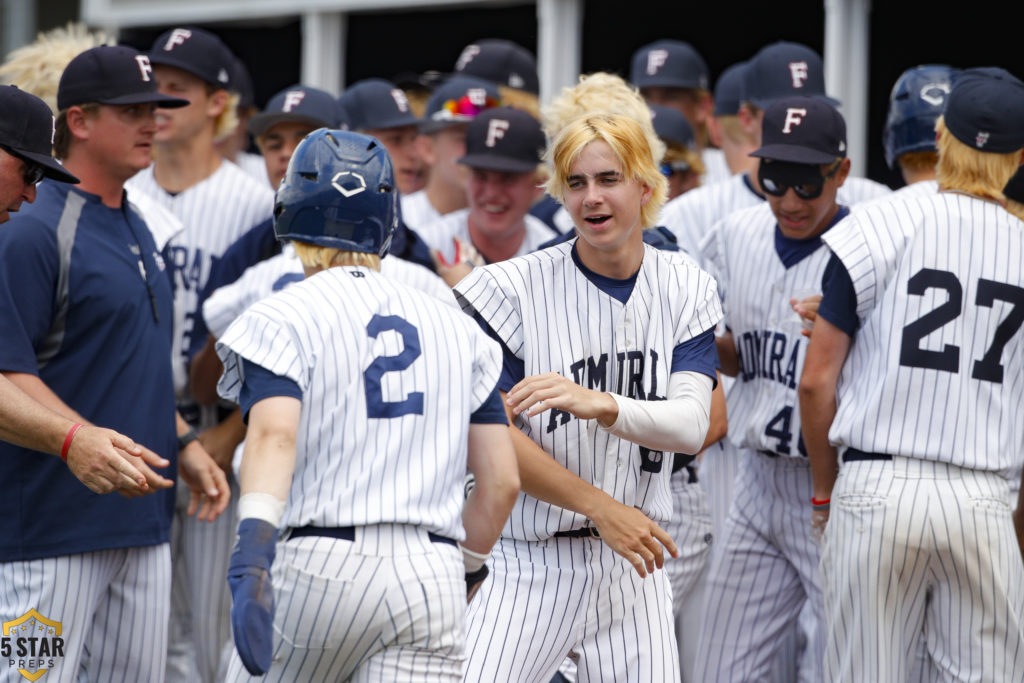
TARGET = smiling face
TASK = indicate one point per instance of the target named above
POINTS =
(499, 200)
(604, 204)
(800, 218)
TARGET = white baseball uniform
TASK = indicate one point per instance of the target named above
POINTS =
(716, 169)
(215, 213)
(388, 380)
(920, 534)
(550, 594)
(767, 567)
(440, 234)
(417, 210)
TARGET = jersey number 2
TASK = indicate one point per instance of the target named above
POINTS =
(376, 406)
(988, 367)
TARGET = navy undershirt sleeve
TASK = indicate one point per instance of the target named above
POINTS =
(839, 300)
(512, 368)
(260, 383)
(697, 355)
(491, 412)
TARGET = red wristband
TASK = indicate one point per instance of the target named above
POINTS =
(815, 501)
(68, 439)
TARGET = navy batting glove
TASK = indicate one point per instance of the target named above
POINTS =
(252, 597)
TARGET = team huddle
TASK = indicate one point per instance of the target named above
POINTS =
(448, 383)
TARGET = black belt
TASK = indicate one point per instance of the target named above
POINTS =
(770, 454)
(853, 455)
(348, 533)
(583, 532)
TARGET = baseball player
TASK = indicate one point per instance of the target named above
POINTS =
(235, 146)
(359, 457)
(575, 567)
(681, 165)
(911, 373)
(81, 278)
(761, 258)
(218, 204)
(509, 66)
(671, 73)
(442, 142)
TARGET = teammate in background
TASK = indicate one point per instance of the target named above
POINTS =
(571, 569)
(102, 459)
(725, 129)
(442, 142)
(681, 165)
(99, 565)
(218, 204)
(336, 442)
(761, 257)
(511, 67)
(235, 147)
(671, 73)
(503, 154)
(920, 301)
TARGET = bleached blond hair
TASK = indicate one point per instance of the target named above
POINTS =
(37, 67)
(601, 92)
(315, 256)
(966, 169)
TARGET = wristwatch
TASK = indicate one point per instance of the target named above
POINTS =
(187, 438)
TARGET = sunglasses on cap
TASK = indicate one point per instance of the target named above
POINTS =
(469, 106)
(669, 168)
(807, 181)
(31, 172)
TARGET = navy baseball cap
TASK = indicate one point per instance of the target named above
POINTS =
(298, 104)
(504, 139)
(671, 125)
(196, 51)
(111, 74)
(669, 64)
(375, 103)
(729, 90)
(803, 130)
(26, 131)
(985, 110)
(241, 82)
(782, 70)
(458, 100)
(502, 62)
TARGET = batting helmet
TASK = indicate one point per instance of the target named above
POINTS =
(339, 191)
(917, 100)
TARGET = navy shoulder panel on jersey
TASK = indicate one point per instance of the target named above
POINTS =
(491, 412)
(839, 300)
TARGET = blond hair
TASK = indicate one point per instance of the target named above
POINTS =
(732, 130)
(964, 168)
(519, 99)
(315, 256)
(1016, 208)
(37, 67)
(227, 120)
(601, 92)
(677, 152)
(919, 161)
(628, 141)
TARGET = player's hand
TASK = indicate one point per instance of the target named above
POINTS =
(533, 395)
(819, 519)
(252, 594)
(220, 442)
(474, 580)
(206, 480)
(105, 461)
(807, 309)
(466, 258)
(632, 534)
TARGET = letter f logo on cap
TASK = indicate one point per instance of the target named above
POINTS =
(798, 72)
(794, 117)
(495, 131)
(655, 60)
(292, 99)
(178, 37)
(145, 68)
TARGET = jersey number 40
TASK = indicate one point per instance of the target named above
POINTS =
(376, 406)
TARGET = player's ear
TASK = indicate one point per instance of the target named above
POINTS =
(843, 171)
(645, 194)
(78, 122)
(217, 102)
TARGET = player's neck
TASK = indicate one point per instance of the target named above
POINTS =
(617, 264)
(181, 165)
(738, 159)
(95, 178)
(445, 197)
(496, 248)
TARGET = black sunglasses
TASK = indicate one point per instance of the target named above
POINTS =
(31, 172)
(810, 190)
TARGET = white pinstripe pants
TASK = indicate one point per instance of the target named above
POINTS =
(912, 544)
(113, 606)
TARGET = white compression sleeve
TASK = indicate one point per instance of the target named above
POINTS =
(676, 425)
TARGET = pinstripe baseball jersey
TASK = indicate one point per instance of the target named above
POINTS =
(743, 254)
(417, 210)
(274, 274)
(716, 170)
(551, 317)
(368, 371)
(937, 362)
(691, 216)
(215, 213)
(253, 165)
(440, 233)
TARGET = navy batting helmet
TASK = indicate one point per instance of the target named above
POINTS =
(917, 100)
(339, 191)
